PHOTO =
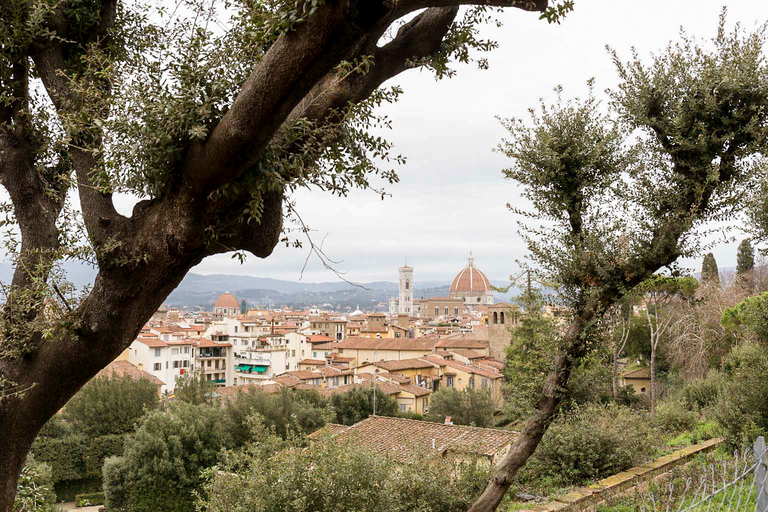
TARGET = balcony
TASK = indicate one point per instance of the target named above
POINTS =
(253, 368)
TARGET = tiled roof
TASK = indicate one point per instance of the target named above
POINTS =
(122, 368)
(469, 354)
(641, 373)
(400, 379)
(454, 343)
(318, 338)
(205, 343)
(404, 364)
(355, 342)
(316, 362)
(227, 300)
(247, 388)
(152, 342)
(491, 373)
(470, 279)
(404, 438)
(416, 390)
(387, 388)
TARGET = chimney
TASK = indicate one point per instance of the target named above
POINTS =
(448, 420)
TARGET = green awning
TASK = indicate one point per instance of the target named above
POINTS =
(220, 381)
(243, 368)
(260, 368)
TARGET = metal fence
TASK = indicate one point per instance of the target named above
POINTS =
(739, 484)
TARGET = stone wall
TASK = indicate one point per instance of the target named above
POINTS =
(588, 498)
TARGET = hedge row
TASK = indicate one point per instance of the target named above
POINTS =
(76, 461)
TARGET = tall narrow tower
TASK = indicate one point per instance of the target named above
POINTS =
(405, 287)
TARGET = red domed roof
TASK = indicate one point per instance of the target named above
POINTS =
(470, 279)
(226, 300)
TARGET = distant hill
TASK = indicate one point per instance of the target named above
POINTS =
(201, 291)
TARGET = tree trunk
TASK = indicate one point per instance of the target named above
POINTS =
(614, 375)
(653, 379)
(536, 426)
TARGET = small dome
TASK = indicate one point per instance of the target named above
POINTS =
(226, 300)
(470, 279)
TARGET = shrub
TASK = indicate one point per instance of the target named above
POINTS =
(592, 441)
(161, 464)
(115, 475)
(673, 416)
(307, 408)
(357, 404)
(89, 499)
(742, 407)
(330, 477)
(469, 407)
(34, 490)
(110, 405)
(703, 393)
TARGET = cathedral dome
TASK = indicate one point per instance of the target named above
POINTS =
(227, 300)
(470, 279)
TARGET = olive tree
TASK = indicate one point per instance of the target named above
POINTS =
(619, 193)
(212, 113)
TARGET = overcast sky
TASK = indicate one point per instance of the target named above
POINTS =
(451, 197)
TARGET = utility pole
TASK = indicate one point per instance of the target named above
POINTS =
(375, 369)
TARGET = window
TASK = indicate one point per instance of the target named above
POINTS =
(175, 351)
(397, 335)
(425, 403)
(293, 353)
(501, 317)
(642, 390)
(158, 367)
(407, 284)
(177, 364)
(456, 311)
(446, 311)
(485, 383)
(235, 328)
(478, 299)
(186, 350)
(402, 407)
(449, 381)
(185, 363)
(437, 311)
(314, 354)
(157, 352)
(472, 382)
(495, 317)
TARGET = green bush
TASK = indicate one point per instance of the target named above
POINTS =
(89, 499)
(673, 416)
(77, 457)
(34, 490)
(742, 407)
(469, 407)
(703, 393)
(161, 464)
(328, 476)
(308, 409)
(115, 477)
(110, 405)
(357, 404)
(592, 441)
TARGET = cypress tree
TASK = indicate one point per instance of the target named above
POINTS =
(709, 271)
(243, 307)
(745, 257)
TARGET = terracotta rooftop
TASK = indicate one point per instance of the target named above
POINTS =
(227, 300)
(404, 364)
(316, 362)
(470, 279)
(122, 368)
(640, 373)
(152, 342)
(404, 438)
(358, 343)
(469, 354)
